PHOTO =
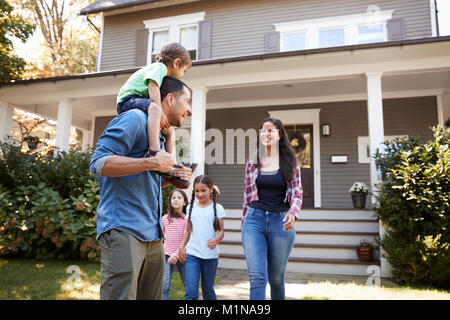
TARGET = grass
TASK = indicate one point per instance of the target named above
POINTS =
(24, 279)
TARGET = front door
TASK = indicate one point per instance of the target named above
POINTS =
(301, 139)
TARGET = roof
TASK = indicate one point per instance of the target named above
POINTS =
(243, 58)
(107, 5)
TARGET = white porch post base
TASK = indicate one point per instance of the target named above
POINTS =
(6, 114)
(87, 139)
(63, 124)
(376, 138)
(198, 127)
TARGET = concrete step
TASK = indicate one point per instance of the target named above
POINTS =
(307, 265)
(317, 237)
(362, 225)
(306, 250)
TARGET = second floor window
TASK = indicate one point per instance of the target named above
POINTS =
(333, 31)
(182, 29)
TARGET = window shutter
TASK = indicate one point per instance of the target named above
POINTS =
(272, 42)
(204, 39)
(395, 29)
(141, 47)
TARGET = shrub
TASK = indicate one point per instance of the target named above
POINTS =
(47, 205)
(414, 201)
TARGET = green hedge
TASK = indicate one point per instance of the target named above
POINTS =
(48, 205)
(414, 202)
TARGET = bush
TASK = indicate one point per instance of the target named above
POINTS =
(47, 205)
(414, 201)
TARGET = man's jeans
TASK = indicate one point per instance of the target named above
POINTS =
(168, 276)
(207, 269)
(267, 247)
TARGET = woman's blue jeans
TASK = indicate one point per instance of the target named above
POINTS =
(168, 276)
(207, 269)
(267, 248)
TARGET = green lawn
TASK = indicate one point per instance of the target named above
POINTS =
(26, 279)
(23, 279)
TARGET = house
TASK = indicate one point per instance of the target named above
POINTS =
(345, 74)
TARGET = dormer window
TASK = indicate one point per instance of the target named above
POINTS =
(182, 29)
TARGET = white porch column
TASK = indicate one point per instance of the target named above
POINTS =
(6, 114)
(87, 139)
(63, 124)
(376, 138)
(198, 127)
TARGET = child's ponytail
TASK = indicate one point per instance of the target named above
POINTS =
(216, 220)
(172, 51)
(189, 223)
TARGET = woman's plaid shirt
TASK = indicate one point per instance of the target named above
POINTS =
(294, 191)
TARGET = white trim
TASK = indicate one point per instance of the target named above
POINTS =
(321, 99)
(6, 119)
(433, 19)
(173, 25)
(440, 109)
(349, 23)
(363, 144)
(100, 46)
(306, 116)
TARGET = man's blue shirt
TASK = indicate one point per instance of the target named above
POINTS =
(132, 204)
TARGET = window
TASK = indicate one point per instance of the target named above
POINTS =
(331, 38)
(334, 31)
(182, 29)
(370, 34)
(293, 41)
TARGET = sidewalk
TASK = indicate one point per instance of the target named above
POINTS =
(234, 283)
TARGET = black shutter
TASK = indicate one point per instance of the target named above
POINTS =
(272, 42)
(141, 47)
(395, 29)
(204, 39)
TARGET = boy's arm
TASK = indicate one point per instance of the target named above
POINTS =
(170, 143)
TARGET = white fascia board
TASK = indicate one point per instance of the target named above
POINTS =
(174, 20)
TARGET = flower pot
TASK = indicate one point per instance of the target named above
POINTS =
(365, 254)
(32, 145)
(359, 200)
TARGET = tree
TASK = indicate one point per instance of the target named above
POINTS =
(70, 46)
(11, 25)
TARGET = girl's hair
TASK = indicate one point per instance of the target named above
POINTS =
(209, 183)
(172, 214)
(172, 51)
(288, 159)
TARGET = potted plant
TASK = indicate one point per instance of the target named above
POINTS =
(359, 193)
(32, 142)
(365, 250)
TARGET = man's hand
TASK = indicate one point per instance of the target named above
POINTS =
(183, 173)
(164, 161)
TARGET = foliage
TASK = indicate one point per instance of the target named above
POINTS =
(364, 243)
(47, 205)
(69, 43)
(359, 188)
(414, 201)
(11, 25)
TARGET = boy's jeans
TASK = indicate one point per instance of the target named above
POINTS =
(134, 102)
(207, 269)
(267, 247)
(168, 276)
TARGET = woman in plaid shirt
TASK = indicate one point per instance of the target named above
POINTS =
(272, 201)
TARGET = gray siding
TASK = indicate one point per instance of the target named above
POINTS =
(238, 27)
(348, 120)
